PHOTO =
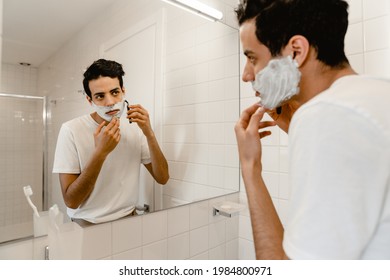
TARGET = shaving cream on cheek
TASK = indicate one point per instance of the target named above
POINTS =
(277, 82)
(102, 110)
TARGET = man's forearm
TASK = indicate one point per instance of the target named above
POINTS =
(266, 226)
(77, 189)
(159, 163)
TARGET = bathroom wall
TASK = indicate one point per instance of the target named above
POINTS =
(368, 37)
(201, 100)
(18, 79)
(185, 232)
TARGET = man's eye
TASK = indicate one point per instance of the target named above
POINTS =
(99, 97)
(251, 60)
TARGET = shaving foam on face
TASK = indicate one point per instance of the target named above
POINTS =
(277, 82)
(102, 110)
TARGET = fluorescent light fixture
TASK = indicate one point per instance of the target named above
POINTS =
(197, 8)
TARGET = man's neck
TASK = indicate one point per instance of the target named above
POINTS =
(319, 78)
(97, 118)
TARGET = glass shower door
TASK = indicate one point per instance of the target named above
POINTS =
(22, 138)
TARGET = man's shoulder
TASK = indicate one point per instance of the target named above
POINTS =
(84, 120)
(353, 91)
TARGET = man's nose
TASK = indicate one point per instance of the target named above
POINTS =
(248, 75)
(110, 100)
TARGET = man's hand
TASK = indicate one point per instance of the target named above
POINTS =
(140, 115)
(248, 135)
(107, 138)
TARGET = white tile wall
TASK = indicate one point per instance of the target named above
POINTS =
(185, 232)
(202, 72)
(374, 8)
(178, 220)
(97, 242)
(199, 241)
(22, 250)
(154, 227)
(179, 247)
(17, 79)
(122, 230)
(368, 36)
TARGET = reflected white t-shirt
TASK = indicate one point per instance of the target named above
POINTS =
(116, 190)
(340, 173)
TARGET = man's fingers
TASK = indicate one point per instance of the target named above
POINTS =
(99, 128)
(245, 117)
(266, 124)
(255, 119)
(263, 134)
(113, 123)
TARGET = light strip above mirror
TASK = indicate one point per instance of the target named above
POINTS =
(197, 8)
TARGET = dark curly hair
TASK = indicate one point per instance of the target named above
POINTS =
(323, 23)
(102, 68)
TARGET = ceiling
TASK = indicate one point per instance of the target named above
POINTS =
(35, 29)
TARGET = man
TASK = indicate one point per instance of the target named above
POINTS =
(98, 156)
(339, 134)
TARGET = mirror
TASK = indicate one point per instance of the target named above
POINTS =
(182, 68)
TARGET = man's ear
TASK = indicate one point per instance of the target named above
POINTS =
(88, 99)
(299, 46)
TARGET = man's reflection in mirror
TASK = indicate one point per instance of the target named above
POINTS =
(99, 155)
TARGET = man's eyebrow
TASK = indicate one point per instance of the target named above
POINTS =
(98, 93)
(111, 91)
(114, 90)
(248, 52)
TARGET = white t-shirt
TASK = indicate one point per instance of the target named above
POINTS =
(116, 190)
(340, 173)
